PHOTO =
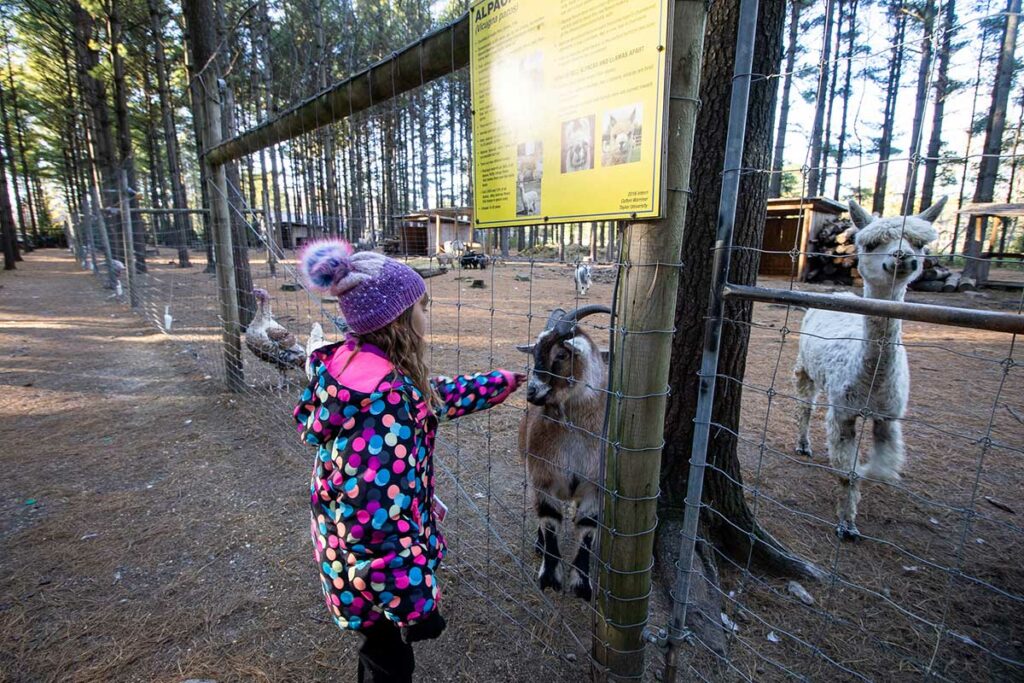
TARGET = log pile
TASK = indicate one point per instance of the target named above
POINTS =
(833, 255)
(933, 277)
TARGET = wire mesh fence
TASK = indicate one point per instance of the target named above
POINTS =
(929, 587)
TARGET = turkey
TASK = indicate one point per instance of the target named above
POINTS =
(270, 342)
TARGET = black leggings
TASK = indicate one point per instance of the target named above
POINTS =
(384, 656)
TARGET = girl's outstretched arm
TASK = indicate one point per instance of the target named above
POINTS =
(467, 394)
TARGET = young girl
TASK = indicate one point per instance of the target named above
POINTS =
(372, 411)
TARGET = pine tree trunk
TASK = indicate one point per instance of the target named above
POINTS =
(820, 103)
(841, 151)
(7, 236)
(198, 125)
(775, 184)
(942, 91)
(124, 134)
(94, 94)
(9, 153)
(7, 228)
(891, 93)
(923, 69)
(22, 226)
(988, 168)
(826, 148)
(179, 199)
(733, 527)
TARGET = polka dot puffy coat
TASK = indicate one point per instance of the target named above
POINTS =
(375, 537)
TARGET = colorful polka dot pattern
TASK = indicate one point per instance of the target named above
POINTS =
(375, 540)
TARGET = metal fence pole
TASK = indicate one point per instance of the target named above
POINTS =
(643, 350)
(716, 308)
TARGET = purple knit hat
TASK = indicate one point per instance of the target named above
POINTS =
(372, 290)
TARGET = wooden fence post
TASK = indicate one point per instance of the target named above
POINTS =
(222, 241)
(128, 236)
(644, 321)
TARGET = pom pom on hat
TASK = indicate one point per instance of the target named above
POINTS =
(324, 264)
(373, 290)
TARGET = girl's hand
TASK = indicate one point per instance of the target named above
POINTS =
(520, 380)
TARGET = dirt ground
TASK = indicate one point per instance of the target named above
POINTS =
(169, 542)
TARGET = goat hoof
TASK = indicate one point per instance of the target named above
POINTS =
(550, 580)
(805, 451)
(581, 588)
(847, 531)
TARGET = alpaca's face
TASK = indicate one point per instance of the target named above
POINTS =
(890, 251)
(896, 261)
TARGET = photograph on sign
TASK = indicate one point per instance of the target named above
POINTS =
(580, 85)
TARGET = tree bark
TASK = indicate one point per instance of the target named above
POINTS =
(988, 168)
(891, 93)
(733, 528)
(9, 153)
(826, 147)
(20, 139)
(942, 91)
(179, 198)
(124, 133)
(7, 229)
(94, 94)
(820, 103)
(841, 151)
(775, 185)
(923, 69)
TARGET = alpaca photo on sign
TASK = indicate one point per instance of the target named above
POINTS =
(578, 144)
(620, 140)
(530, 165)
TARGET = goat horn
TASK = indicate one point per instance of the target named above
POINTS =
(583, 311)
(556, 316)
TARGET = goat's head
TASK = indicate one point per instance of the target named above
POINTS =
(890, 251)
(562, 357)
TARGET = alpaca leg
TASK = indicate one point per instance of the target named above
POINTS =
(551, 572)
(842, 451)
(586, 528)
(806, 391)
(887, 456)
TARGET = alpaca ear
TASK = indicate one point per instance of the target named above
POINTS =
(933, 211)
(860, 217)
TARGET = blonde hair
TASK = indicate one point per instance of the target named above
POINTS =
(405, 349)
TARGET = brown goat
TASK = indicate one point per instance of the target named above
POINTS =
(559, 438)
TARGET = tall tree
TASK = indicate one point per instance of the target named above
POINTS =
(942, 91)
(127, 182)
(19, 132)
(792, 47)
(892, 88)
(988, 168)
(94, 95)
(820, 103)
(732, 527)
(179, 198)
(7, 229)
(9, 153)
(851, 40)
(927, 16)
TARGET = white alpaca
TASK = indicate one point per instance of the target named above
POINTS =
(860, 362)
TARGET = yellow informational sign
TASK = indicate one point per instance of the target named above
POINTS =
(568, 109)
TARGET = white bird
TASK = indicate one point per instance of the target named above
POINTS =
(315, 341)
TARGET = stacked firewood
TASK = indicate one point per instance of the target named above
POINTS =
(933, 276)
(833, 255)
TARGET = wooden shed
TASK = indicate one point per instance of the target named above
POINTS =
(792, 222)
(422, 232)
